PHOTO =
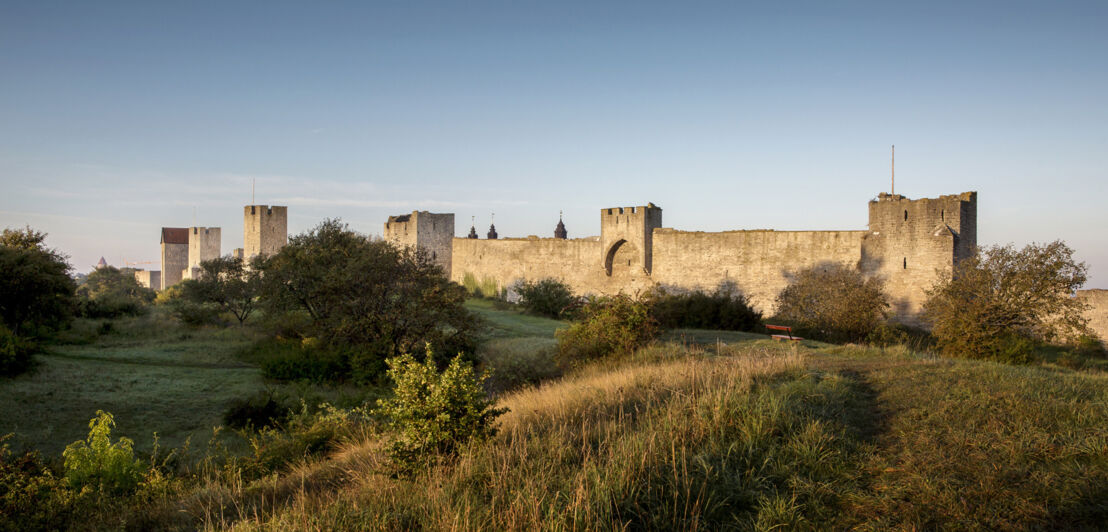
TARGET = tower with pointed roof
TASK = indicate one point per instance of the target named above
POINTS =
(560, 230)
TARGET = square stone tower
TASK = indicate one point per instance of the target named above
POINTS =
(627, 239)
(175, 255)
(434, 233)
(204, 244)
(265, 230)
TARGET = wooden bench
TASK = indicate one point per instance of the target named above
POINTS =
(788, 333)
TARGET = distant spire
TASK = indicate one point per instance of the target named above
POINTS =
(492, 226)
(560, 231)
(472, 228)
(102, 264)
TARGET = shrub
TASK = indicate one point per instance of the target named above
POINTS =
(97, 463)
(515, 362)
(999, 303)
(485, 288)
(292, 360)
(724, 309)
(1089, 346)
(832, 302)
(306, 433)
(433, 412)
(15, 353)
(31, 497)
(545, 297)
(110, 293)
(609, 325)
(262, 410)
(188, 310)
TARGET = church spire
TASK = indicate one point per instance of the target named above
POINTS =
(560, 231)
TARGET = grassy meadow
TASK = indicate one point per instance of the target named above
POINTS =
(705, 430)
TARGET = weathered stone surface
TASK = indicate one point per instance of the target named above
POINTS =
(430, 231)
(909, 244)
(265, 229)
(205, 243)
(1097, 299)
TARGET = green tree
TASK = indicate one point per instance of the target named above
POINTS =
(110, 292)
(833, 302)
(226, 282)
(1001, 301)
(36, 291)
(372, 296)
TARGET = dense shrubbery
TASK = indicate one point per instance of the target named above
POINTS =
(226, 284)
(368, 299)
(1002, 303)
(545, 297)
(31, 496)
(256, 412)
(432, 413)
(15, 352)
(309, 432)
(833, 303)
(725, 309)
(608, 325)
(186, 309)
(110, 293)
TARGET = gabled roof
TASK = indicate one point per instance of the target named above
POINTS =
(175, 235)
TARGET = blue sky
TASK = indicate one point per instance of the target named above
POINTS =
(119, 118)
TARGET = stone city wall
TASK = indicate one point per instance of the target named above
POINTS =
(758, 262)
(1097, 299)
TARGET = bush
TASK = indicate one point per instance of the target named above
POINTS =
(15, 353)
(305, 434)
(833, 303)
(485, 288)
(110, 293)
(1001, 302)
(545, 297)
(724, 309)
(609, 325)
(1089, 346)
(31, 496)
(186, 309)
(106, 467)
(515, 362)
(259, 411)
(300, 360)
(432, 412)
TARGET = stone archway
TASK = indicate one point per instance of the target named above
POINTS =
(622, 259)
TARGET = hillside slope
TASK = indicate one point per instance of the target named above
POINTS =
(753, 436)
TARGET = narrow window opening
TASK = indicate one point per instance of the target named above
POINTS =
(905, 263)
(942, 215)
(905, 216)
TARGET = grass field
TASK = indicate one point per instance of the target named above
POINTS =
(707, 430)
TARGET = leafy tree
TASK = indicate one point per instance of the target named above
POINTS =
(1001, 301)
(608, 325)
(379, 299)
(833, 302)
(546, 297)
(110, 292)
(36, 292)
(226, 282)
(435, 412)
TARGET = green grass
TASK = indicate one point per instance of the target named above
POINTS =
(152, 375)
(511, 323)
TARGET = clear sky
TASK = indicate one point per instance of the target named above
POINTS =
(119, 118)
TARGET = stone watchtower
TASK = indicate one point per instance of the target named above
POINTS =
(434, 233)
(175, 255)
(265, 230)
(204, 244)
(910, 240)
(627, 239)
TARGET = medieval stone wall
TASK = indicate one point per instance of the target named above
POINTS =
(151, 279)
(909, 244)
(1097, 299)
(758, 262)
